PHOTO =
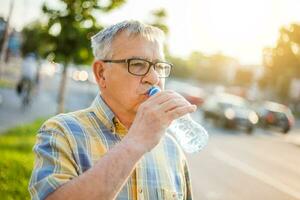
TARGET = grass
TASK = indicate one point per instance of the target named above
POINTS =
(297, 114)
(17, 160)
(7, 84)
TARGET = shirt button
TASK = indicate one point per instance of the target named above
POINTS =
(140, 190)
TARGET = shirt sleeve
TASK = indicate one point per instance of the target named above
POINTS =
(189, 194)
(54, 162)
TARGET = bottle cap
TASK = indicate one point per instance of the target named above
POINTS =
(153, 90)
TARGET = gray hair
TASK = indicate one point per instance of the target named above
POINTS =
(102, 41)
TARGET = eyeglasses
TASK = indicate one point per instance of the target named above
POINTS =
(141, 67)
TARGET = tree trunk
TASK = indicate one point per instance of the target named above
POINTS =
(5, 41)
(62, 89)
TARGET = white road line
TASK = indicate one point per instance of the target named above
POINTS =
(218, 154)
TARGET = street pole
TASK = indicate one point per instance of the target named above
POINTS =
(5, 40)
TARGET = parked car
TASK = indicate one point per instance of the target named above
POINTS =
(195, 95)
(275, 115)
(230, 111)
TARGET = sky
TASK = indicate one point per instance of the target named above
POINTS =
(236, 28)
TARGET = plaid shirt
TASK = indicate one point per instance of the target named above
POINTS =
(69, 144)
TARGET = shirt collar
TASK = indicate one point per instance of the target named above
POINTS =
(107, 117)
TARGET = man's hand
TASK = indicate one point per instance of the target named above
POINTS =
(154, 116)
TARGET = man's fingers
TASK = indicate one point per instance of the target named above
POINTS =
(162, 97)
(181, 111)
(173, 103)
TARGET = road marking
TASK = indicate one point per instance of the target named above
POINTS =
(254, 173)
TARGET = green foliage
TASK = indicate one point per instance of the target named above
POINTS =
(243, 77)
(180, 69)
(160, 17)
(33, 35)
(282, 63)
(65, 37)
(17, 160)
(4, 83)
(202, 67)
(67, 31)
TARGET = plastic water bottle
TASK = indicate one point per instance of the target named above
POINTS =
(190, 135)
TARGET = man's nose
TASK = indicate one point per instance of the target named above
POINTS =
(151, 77)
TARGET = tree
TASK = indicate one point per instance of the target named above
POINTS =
(282, 63)
(243, 77)
(212, 68)
(180, 69)
(160, 17)
(33, 35)
(66, 35)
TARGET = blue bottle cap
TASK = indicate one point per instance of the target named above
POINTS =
(153, 90)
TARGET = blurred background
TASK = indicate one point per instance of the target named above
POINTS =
(237, 60)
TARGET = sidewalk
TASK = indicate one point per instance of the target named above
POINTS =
(78, 95)
(11, 113)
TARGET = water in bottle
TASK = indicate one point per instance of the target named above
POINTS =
(191, 136)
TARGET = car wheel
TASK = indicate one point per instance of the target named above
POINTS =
(225, 124)
(249, 130)
(285, 130)
(264, 124)
(219, 122)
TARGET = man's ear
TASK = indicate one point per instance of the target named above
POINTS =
(98, 69)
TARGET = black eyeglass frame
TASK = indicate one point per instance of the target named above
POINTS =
(150, 64)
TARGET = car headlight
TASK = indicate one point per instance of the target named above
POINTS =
(229, 113)
(253, 118)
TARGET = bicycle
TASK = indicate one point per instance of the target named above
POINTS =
(26, 94)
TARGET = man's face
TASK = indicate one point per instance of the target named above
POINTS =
(122, 90)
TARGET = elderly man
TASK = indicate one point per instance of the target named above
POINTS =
(117, 148)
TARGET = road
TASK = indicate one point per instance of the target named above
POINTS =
(78, 95)
(238, 166)
(234, 165)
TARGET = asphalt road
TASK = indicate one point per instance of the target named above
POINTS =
(237, 166)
